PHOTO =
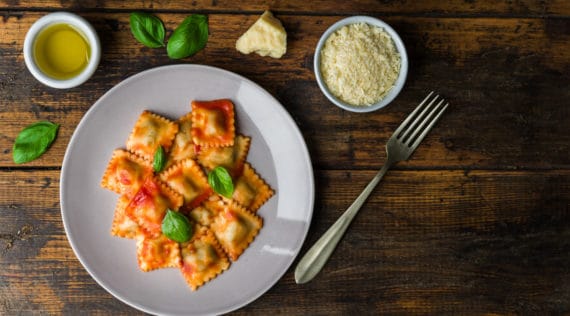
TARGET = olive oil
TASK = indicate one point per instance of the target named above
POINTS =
(61, 51)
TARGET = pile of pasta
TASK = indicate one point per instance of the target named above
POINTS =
(195, 144)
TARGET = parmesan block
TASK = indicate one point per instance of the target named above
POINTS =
(266, 37)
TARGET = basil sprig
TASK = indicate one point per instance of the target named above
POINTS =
(221, 181)
(189, 37)
(147, 29)
(33, 141)
(176, 226)
(159, 159)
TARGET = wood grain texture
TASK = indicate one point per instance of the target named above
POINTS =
(371, 7)
(506, 80)
(477, 222)
(426, 241)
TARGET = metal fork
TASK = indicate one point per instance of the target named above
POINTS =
(399, 148)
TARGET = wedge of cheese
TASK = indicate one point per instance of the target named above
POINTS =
(266, 37)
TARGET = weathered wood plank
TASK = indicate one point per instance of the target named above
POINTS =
(431, 242)
(505, 79)
(426, 242)
(454, 7)
(40, 273)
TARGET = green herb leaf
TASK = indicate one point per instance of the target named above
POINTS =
(221, 181)
(189, 37)
(147, 29)
(176, 226)
(159, 159)
(33, 141)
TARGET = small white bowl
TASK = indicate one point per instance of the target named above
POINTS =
(398, 85)
(84, 27)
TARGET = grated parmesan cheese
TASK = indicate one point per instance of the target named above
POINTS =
(360, 64)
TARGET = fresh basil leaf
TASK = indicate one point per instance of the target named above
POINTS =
(147, 29)
(189, 37)
(33, 141)
(221, 181)
(176, 226)
(159, 159)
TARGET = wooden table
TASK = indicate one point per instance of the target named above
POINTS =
(478, 221)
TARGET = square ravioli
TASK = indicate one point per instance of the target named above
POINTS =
(125, 173)
(157, 252)
(187, 178)
(149, 205)
(124, 226)
(235, 228)
(202, 259)
(206, 213)
(151, 131)
(250, 191)
(213, 123)
(195, 144)
(183, 147)
(231, 157)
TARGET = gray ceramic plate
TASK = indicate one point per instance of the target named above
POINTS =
(278, 152)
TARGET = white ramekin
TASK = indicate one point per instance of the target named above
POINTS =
(398, 85)
(84, 27)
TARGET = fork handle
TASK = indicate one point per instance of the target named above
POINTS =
(314, 260)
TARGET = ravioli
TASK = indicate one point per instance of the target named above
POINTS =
(149, 205)
(157, 252)
(183, 147)
(250, 190)
(187, 178)
(198, 142)
(230, 157)
(202, 259)
(125, 173)
(213, 123)
(206, 213)
(235, 228)
(151, 131)
(124, 226)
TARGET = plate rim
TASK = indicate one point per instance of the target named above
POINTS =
(85, 118)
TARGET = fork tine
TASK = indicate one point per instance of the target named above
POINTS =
(419, 127)
(409, 118)
(417, 119)
(428, 128)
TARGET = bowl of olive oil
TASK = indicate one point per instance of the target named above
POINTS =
(62, 50)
